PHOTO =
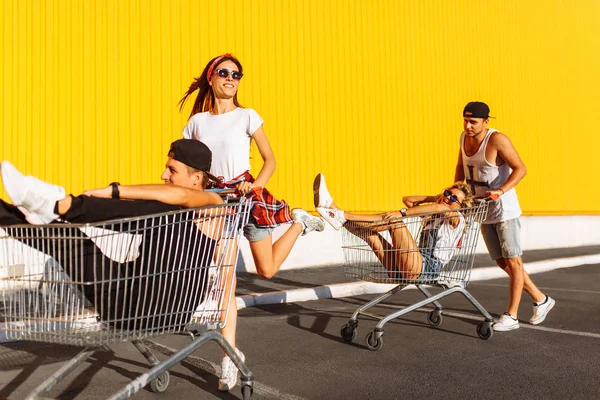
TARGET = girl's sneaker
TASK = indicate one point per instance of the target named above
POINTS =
(506, 322)
(310, 223)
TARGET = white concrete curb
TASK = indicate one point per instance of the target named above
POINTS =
(349, 289)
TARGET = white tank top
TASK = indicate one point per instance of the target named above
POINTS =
(483, 176)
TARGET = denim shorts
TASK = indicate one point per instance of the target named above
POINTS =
(255, 233)
(431, 267)
(503, 240)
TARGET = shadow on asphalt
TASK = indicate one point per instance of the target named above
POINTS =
(320, 320)
(29, 356)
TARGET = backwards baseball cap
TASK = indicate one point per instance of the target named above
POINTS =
(192, 153)
(477, 109)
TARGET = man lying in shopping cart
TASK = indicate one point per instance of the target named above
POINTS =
(39, 203)
(403, 258)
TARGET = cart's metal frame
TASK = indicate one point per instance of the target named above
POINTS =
(362, 263)
(177, 287)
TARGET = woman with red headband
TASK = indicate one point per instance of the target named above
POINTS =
(218, 120)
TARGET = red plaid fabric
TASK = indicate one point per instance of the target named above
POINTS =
(266, 210)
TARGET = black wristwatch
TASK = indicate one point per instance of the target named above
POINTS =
(115, 190)
(403, 211)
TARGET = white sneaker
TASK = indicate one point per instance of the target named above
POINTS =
(229, 372)
(34, 198)
(333, 216)
(310, 223)
(322, 196)
(540, 311)
(506, 322)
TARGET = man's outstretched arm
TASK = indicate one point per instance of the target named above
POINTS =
(168, 194)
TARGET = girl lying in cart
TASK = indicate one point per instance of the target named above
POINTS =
(404, 258)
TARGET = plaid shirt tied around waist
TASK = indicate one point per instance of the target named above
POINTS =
(266, 209)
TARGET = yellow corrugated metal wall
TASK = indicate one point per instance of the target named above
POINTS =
(368, 92)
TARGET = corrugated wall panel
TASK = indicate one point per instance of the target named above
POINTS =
(368, 92)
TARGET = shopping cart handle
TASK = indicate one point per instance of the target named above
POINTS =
(222, 191)
(492, 197)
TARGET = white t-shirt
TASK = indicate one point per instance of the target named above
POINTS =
(228, 136)
(439, 234)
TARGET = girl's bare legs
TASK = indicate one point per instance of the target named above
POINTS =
(409, 259)
(405, 255)
(269, 256)
(381, 247)
(229, 331)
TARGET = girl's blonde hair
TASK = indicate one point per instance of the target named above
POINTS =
(466, 189)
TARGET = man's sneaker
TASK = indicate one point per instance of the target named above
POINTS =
(34, 198)
(506, 323)
(229, 372)
(310, 223)
(322, 196)
(541, 310)
(333, 216)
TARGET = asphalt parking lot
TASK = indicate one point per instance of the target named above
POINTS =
(295, 352)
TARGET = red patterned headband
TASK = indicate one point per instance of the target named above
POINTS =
(215, 63)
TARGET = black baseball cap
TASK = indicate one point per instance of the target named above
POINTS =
(192, 153)
(477, 109)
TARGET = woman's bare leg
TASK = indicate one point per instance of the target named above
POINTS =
(402, 255)
(269, 256)
(408, 256)
(225, 283)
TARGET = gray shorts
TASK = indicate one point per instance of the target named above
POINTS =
(503, 240)
(255, 233)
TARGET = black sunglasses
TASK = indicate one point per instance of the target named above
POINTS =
(453, 198)
(224, 73)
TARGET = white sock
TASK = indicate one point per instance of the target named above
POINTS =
(542, 302)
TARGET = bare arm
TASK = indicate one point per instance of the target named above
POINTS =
(459, 172)
(168, 194)
(269, 162)
(413, 201)
(415, 209)
(508, 153)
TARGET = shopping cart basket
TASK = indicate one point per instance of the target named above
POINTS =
(124, 280)
(427, 230)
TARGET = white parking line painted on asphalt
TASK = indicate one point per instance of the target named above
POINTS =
(563, 331)
(543, 289)
(522, 325)
(263, 391)
(487, 273)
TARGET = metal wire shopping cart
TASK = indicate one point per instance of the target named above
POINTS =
(125, 280)
(427, 230)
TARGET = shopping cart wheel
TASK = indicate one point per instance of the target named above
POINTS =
(485, 330)
(349, 332)
(435, 318)
(372, 343)
(247, 392)
(160, 383)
